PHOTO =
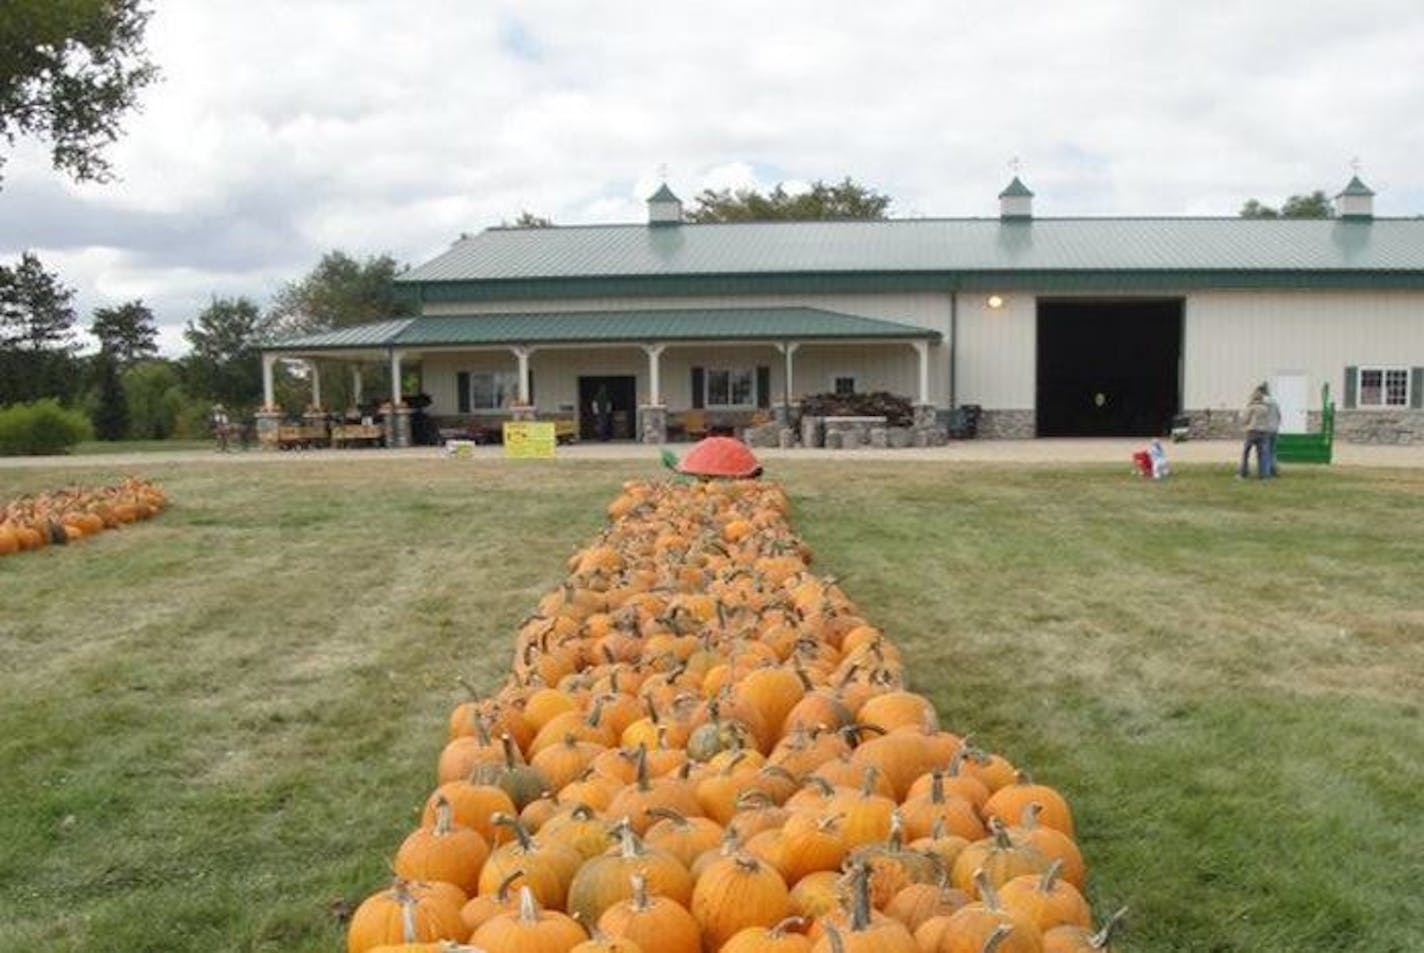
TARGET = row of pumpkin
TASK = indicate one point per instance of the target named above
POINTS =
(704, 747)
(70, 514)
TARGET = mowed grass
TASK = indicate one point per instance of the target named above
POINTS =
(215, 728)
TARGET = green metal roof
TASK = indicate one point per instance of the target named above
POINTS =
(1016, 189)
(1356, 187)
(663, 194)
(572, 327)
(952, 250)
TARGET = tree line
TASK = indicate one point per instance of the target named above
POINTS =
(128, 390)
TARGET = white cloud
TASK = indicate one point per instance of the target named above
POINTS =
(282, 130)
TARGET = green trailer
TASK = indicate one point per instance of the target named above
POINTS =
(1310, 447)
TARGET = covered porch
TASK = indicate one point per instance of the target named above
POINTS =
(640, 375)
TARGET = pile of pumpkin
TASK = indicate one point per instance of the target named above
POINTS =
(704, 747)
(70, 514)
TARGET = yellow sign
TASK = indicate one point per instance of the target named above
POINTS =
(529, 439)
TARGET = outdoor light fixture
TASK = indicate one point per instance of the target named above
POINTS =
(995, 302)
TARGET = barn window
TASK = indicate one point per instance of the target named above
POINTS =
(731, 387)
(493, 390)
(843, 385)
(1383, 387)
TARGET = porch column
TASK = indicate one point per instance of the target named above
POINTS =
(789, 349)
(923, 349)
(315, 383)
(521, 354)
(268, 397)
(356, 385)
(655, 381)
(395, 378)
(652, 416)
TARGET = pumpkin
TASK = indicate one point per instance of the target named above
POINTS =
(685, 838)
(1077, 939)
(473, 805)
(653, 922)
(529, 930)
(918, 902)
(955, 814)
(1054, 844)
(546, 868)
(780, 938)
(861, 929)
(445, 851)
(605, 880)
(737, 892)
(1008, 803)
(402, 914)
(998, 857)
(477, 910)
(1046, 901)
(970, 928)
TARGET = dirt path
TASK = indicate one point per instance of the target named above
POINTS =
(1044, 452)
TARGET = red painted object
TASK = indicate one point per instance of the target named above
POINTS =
(1142, 460)
(724, 457)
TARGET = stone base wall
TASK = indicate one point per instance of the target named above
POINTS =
(1379, 426)
(1008, 425)
(1351, 426)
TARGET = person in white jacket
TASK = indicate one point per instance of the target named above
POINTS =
(1256, 416)
(1273, 429)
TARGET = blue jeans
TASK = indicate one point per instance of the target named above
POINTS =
(1273, 470)
(1265, 464)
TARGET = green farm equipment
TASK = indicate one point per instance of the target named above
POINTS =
(1310, 447)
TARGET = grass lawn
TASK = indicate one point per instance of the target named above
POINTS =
(218, 726)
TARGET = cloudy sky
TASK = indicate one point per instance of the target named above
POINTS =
(286, 128)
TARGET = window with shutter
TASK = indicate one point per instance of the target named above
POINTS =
(462, 392)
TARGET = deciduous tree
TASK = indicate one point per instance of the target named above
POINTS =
(843, 200)
(339, 292)
(69, 72)
(225, 363)
(1314, 205)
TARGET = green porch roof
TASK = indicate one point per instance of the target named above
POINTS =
(577, 327)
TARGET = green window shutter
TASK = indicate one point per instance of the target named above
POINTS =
(1416, 387)
(697, 388)
(462, 392)
(763, 386)
(1352, 380)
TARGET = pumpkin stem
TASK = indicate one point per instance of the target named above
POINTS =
(640, 892)
(860, 905)
(1103, 937)
(526, 843)
(528, 907)
(834, 935)
(669, 814)
(995, 939)
(444, 816)
(1050, 876)
(502, 893)
(896, 841)
(512, 758)
(1002, 841)
(867, 785)
(786, 926)
(987, 893)
(643, 783)
(820, 784)
(1029, 818)
(937, 788)
(1021, 777)
(410, 930)
(629, 847)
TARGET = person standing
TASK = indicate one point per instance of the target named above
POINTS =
(222, 427)
(603, 413)
(1273, 429)
(1256, 417)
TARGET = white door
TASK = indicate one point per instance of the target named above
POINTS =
(1291, 392)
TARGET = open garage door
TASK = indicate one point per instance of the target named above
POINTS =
(1108, 368)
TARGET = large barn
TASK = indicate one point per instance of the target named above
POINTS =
(1053, 326)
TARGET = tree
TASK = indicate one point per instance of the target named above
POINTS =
(155, 399)
(225, 364)
(128, 332)
(1314, 205)
(69, 71)
(339, 292)
(843, 200)
(111, 412)
(528, 219)
(36, 333)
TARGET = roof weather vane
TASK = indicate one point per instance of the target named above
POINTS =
(1015, 164)
(1355, 164)
(662, 171)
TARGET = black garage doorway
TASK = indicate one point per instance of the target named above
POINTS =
(1108, 368)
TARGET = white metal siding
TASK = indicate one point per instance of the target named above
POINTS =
(997, 348)
(1235, 340)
